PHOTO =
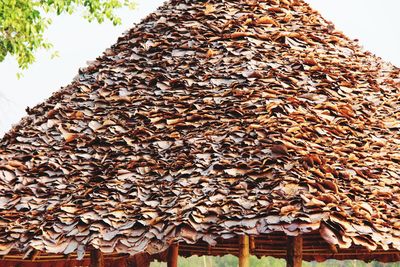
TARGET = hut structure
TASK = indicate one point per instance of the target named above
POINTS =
(210, 128)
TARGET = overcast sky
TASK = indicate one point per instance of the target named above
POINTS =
(375, 23)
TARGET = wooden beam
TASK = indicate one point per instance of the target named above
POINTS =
(96, 258)
(244, 251)
(173, 254)
(294, 254)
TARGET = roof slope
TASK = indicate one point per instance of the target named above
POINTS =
(206, 120)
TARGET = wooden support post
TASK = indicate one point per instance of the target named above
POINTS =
(294, 255)
(173, 254)
(96, 258)
(244, 251)
(252, 244)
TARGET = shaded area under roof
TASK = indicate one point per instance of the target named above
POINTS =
(205, 122)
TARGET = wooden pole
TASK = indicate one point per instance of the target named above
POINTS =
(173, 254)
(294, 255)
(244, 251)
(252, 244)
(96, 258)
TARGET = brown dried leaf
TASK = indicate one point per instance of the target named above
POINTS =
(69, 137)
(210, 8)
(327, 234)
(279, 149)
(211, 53)
(267, 20)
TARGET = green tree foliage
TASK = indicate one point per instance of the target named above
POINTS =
(23, 22)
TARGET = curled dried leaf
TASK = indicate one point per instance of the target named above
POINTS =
(267, 20)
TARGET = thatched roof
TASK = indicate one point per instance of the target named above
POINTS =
(206, 121)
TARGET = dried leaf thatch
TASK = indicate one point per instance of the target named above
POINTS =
(205, 121)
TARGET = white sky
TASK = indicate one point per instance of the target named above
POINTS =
(375, 23)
